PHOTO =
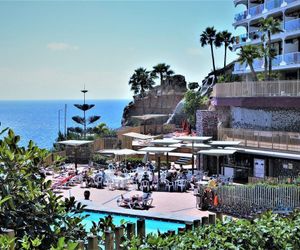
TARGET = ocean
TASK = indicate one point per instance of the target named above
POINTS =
(39, 120)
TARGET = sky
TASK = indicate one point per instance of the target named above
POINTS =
(51, 49)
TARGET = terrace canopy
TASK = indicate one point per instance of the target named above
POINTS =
(224, 144)
(193, 140)
(123, 152)
(75, 144)
(158, 151)
(217, 153)
(139, 136)
(147, 117)
(166, 142)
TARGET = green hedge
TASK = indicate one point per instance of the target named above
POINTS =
(271, 231)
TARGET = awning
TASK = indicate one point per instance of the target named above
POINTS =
(74, 143)
(124, 151)
(224, 143)
(217, 152)
(149, 116)
(165, 141)
(193, 138)
(157, 149)
(139, 136)
(283, 155)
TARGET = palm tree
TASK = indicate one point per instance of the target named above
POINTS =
(163, 71)
(270, 26)
(141, 81)
(248, 54)
(208, 37)
(225, 38)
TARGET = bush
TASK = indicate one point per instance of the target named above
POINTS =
(271, 231)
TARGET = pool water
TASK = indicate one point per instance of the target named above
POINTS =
(152, 225)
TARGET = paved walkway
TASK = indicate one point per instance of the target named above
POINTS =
(173, 205)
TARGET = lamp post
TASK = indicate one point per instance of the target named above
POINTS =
(59, 120)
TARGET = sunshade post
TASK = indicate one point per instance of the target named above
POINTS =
(218, 167)
(158, 169)
(192, 157)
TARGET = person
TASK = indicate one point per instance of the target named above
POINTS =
(173, 167)
(145, 179)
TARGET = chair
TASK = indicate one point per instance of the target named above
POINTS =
(169, 185)
(145, 186)
(111, 185)
(181, 184)
(99, 181)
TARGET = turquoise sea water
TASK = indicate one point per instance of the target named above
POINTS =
(151, 225)
(38, 120)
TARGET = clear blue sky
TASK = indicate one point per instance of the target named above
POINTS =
(48, 50)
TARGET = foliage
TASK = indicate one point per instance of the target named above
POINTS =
(273, 76)
(248, 54)
(141, 81)
(193, 102)
(224, 38)
(102, 130)
(134, 161)
(224, 78)
(193, 85)
(268, 27)
(271, 231)
(33, 210)
(208, 37)
(163, 71)
(100, 159)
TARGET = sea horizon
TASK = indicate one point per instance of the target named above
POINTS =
(38, 120)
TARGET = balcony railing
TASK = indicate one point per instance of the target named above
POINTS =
(290, 1)
(292, 58)
(273, 4)
(292, 25)
(262, 139)
(256, 10)
(258, 89)
(240, 67)
(240, 16)
(241, 39)
(277, 60)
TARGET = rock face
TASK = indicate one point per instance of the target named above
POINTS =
(160, 100)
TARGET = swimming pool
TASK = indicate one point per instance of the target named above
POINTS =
(152, 225)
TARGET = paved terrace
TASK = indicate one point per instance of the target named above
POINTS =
(167, 205)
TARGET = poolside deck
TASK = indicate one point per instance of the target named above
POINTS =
(167, 205)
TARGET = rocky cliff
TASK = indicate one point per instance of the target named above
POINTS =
(160, 100)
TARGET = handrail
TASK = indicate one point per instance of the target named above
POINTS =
(280, 140)
(277, 88)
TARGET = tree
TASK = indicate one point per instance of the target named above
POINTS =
(208, 37)
(163, 71)
(224, 38)
(192, 102)
(248, 54)
(141, 81)
(270, 26)
(33, 210)
(193, 85)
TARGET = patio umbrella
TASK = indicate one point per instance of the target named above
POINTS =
(217, 153)
(193, 140)
(75, 144)
(224, 144)
(147, 117)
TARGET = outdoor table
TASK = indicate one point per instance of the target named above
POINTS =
(202, 183)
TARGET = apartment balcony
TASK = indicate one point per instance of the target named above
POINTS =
(275, 140)
(241, 16)
(273, 4)
(281, 62)
(256, 10)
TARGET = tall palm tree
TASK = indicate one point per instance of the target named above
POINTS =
(248, 54)
(208, 37)
(163, 71)
(141, 81)
(224, 38)
(270, 26)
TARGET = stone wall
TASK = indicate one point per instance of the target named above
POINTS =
(207, 123)
(266, 119)
(160, 100)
